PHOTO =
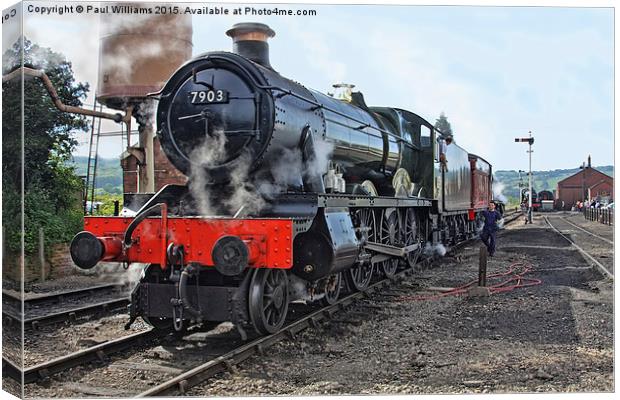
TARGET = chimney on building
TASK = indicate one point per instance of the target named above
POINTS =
(589, 161)
(250, 41)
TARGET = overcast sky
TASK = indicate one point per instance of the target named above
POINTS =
(497, 72)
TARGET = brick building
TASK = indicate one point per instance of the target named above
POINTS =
(586, 184)
(165, 172)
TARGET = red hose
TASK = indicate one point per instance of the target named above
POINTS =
(515, 272)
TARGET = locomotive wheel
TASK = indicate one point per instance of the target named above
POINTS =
(390, 232)
(268, 299)
(358, 277)
(332, 289)
(412, 235)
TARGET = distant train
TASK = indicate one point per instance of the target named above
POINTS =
(541, 201)
(546, 200)
(525, 198)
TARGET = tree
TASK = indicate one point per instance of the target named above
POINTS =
(442, 125)
(50, 188)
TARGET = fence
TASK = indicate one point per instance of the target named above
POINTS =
(602, 215)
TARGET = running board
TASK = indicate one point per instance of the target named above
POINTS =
(391, 250)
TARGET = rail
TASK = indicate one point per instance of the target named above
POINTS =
(91, 310)
(46, 298)
(99, 352)
(602, 215)
(584, 253)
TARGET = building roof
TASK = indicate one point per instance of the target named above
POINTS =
(582, 171)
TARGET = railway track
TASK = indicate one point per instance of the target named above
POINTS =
(181, 383)
(13, 315)
(587, 231)
(583, 252)
(47, 298)
(94, 353)
(70, 315)
(513, 216)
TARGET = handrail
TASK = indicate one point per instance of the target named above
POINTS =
(315, 103)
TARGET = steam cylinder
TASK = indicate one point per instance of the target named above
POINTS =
(138, 53)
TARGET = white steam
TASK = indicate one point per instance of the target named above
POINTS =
(247, 191)
(244, 193)
(122, 61)
(498, 188)
(437, 249)
(208, 154)
(139, 43)
(317, 165)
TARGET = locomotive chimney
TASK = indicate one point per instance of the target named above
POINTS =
(250, 41)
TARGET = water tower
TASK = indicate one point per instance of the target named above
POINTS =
(137, 55)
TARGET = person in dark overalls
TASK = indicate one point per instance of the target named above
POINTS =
(491, 219)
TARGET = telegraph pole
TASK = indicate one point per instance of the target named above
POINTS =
(530, 142)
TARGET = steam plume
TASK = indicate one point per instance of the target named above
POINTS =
(498, 188)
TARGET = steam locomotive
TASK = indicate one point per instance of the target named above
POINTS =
(536, 201)
(291, 193)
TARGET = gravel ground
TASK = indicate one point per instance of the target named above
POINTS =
(12, 343)
(51, 342)
(143, 367)
(555, 337)
(12, 387)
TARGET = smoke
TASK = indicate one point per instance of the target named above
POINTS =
(115, 272)
(132, 276)
(249, 191)
(146, 112)
(208, 154)
(244, 193)
(435, 249)
(140, 44)
(122, 62)
(317, 164)
(498, 188)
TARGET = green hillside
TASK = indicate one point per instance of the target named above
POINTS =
(109, 173)
(542, 180)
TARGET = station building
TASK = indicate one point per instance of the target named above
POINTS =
(588, 183)
(165, 172)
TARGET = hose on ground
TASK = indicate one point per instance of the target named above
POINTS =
(515, 279)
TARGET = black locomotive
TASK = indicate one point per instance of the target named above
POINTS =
(289, 191)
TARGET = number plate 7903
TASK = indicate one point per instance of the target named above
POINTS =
(208, 96)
